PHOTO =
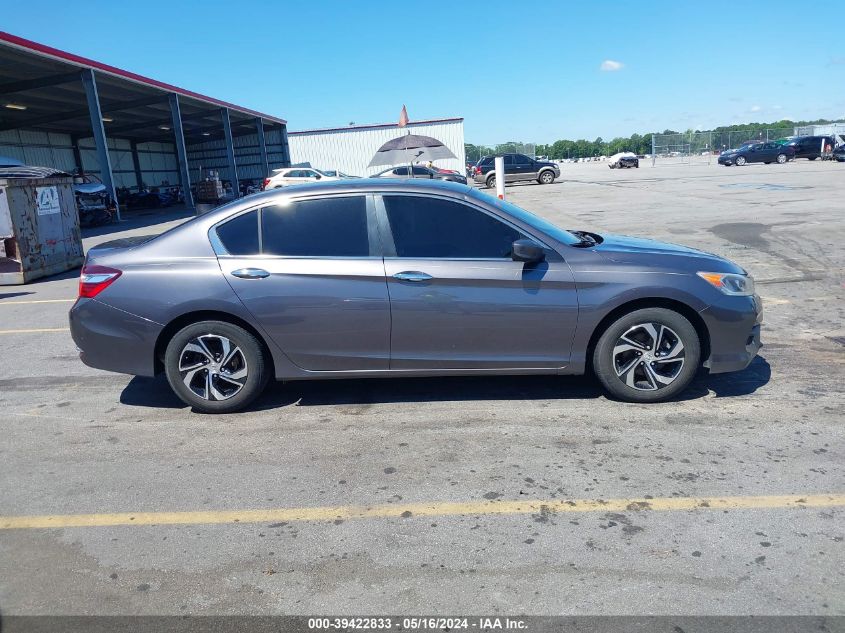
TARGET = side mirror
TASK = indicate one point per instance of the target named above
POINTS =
(527, 251)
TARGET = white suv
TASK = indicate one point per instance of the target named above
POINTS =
(295, 176)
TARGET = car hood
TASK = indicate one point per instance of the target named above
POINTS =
(651, 254)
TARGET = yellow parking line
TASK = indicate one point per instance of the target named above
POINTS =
(35, 331)
(409, 510)
(13, 303)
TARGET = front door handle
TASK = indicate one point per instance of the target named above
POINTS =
(250, 273)
(412, 275)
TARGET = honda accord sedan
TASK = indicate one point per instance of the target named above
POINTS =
(366, 278)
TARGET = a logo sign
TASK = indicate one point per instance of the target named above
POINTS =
(48, 200)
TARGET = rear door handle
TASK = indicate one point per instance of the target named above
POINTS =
(250, 273)
(412, 275)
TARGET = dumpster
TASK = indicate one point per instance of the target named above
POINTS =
(39, 228)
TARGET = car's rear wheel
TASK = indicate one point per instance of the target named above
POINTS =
(546, 178)
(648, 355)
(215, 367)
(740, 161)
(491, 182)
(781, 158)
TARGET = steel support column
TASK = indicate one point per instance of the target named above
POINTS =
(285, 146)
(230, 151)
(136, 164)
(89, 82)
(262, 148)
(181, 153)
(77, 155)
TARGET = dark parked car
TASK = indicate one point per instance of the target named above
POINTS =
(368, 278)
(421, 171)
(767, 153)
(811, 147)
(839, 154)
(518, 167)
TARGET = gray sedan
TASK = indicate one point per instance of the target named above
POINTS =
(368, 278)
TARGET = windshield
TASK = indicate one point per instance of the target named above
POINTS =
(543, 226)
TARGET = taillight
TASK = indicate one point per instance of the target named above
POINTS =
(95, 279)
(265, 183)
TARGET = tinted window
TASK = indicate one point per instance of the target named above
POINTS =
(520, 159)
(401, 171)
(239, 236)
(487, 160)
(509, 160)
(329, 227)
(432, 227)
(420, 171)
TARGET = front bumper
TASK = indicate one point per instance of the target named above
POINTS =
(114, 340)
(734, 324)
(726, 160)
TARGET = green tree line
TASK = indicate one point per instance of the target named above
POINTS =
(637, 143)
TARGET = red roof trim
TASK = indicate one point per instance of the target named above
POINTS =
(49, 51)
(352, 128)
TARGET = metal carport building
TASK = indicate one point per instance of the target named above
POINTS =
(61, 110)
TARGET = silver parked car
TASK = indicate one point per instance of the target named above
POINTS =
(364, 278)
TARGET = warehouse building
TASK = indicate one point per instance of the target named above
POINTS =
(350, 149)
(64, 111)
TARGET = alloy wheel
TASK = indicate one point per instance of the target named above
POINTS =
(648, 356)
(212, 367)
(547, 178)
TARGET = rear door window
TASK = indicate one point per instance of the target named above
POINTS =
(325, 227)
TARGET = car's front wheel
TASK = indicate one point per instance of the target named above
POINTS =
(740, 161)
(546, 178)
(647, 355)
(215, 367)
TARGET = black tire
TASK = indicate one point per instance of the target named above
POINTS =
(252, 361)
(546, 177)
(491, 182)
(781, 159)
(812, 157)
(605, 364)
(740, 161)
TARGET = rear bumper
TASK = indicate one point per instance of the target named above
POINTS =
(114, 340)
(734, 325)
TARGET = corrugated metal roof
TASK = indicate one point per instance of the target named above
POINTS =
(83, 62)
(374, 126)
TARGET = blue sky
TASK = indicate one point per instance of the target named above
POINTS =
(515, 70)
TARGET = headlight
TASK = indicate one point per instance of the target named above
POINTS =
(730, 283)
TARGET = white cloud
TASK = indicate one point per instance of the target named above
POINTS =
(610, 65)
(756, 108)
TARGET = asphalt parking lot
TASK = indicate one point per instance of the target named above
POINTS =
(464, 495)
